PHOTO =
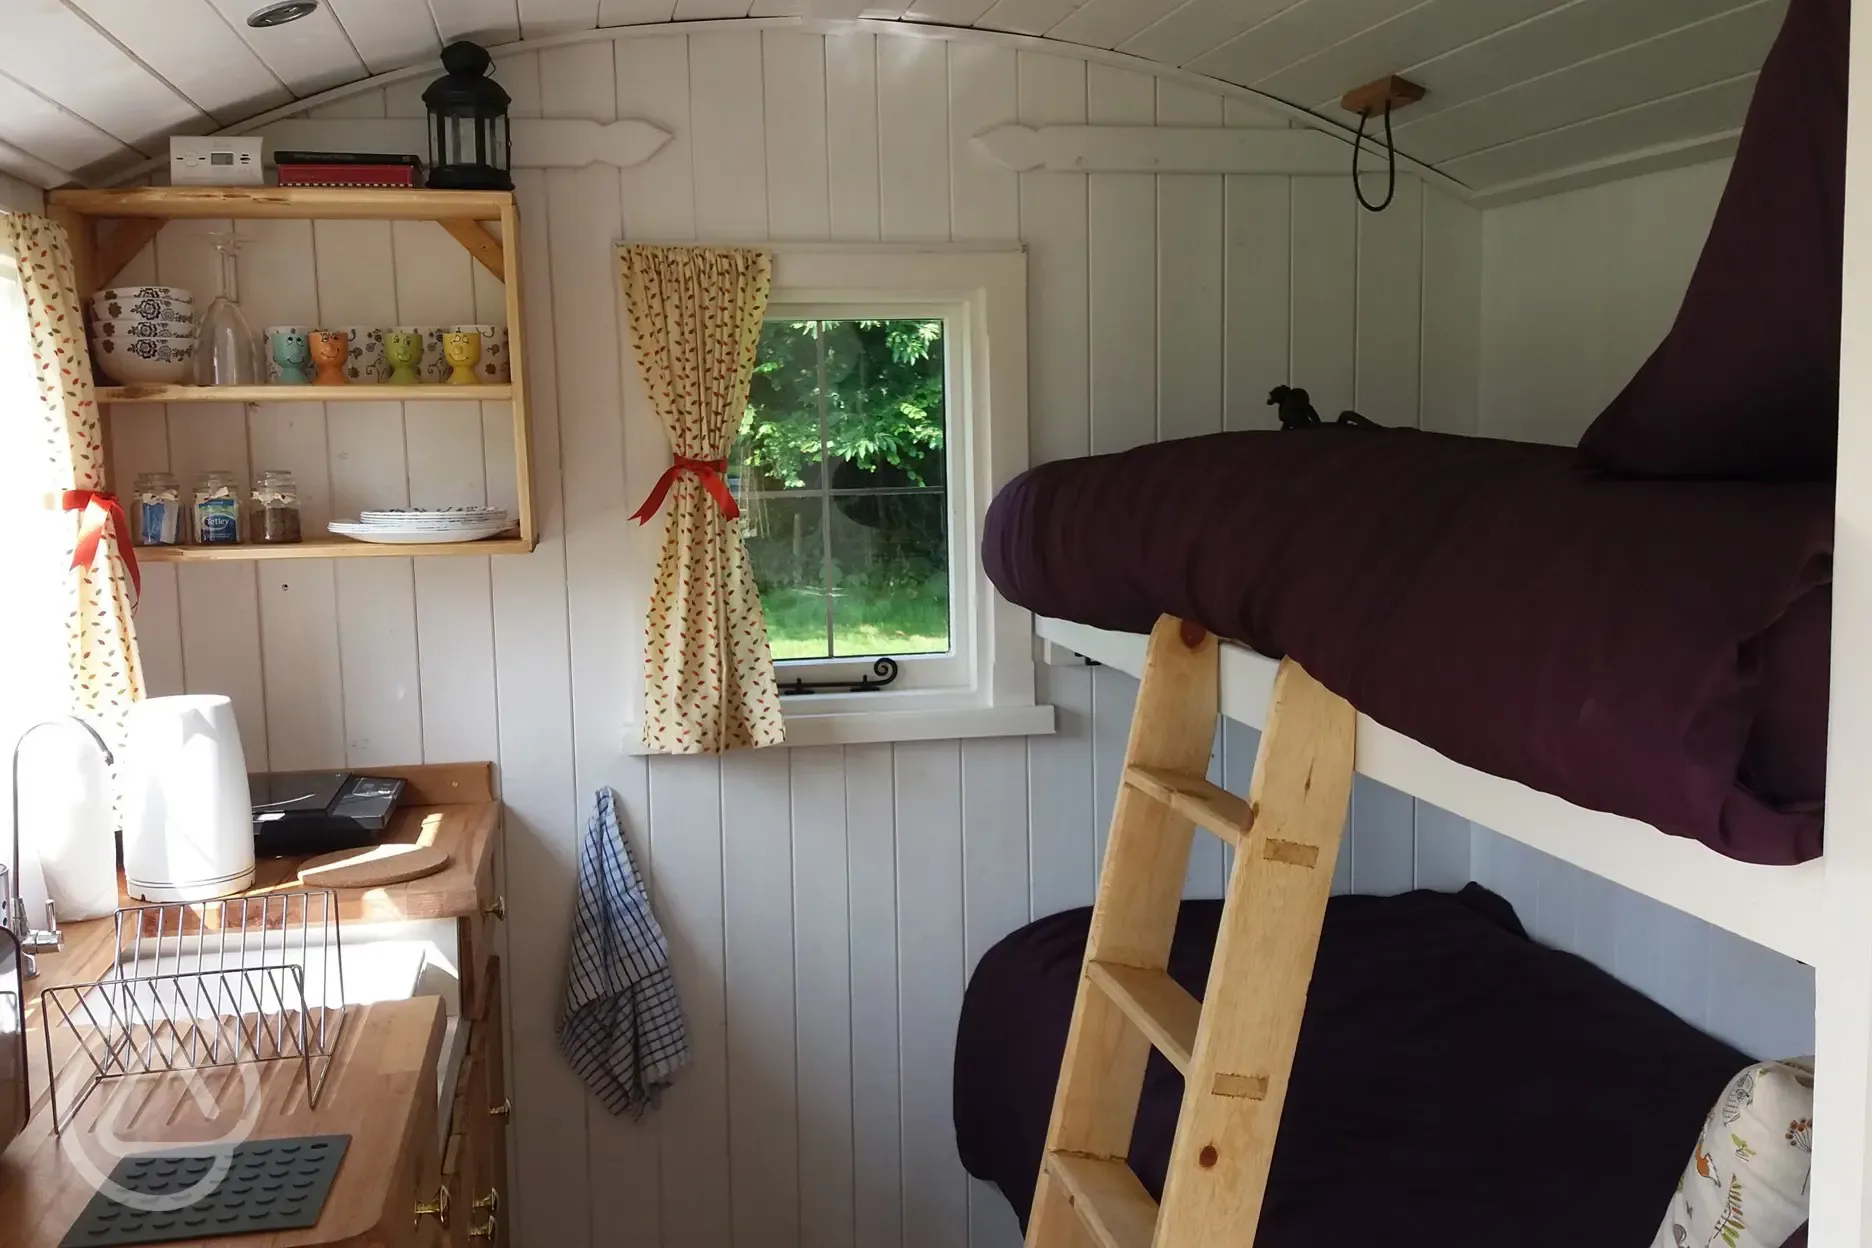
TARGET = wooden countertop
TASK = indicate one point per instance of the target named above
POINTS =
(380, 1092)
(451, 805)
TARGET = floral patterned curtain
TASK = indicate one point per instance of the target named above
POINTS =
(695, 319)
(106, 676)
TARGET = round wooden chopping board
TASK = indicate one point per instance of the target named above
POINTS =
(373, 866)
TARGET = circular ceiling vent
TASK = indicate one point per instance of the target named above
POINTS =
(280, 14)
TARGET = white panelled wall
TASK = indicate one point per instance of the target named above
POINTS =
(825, 905)
(1578, 289)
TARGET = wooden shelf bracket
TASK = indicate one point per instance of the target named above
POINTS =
(482, 245)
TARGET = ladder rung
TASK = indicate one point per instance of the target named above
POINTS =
(1108, 1198)
(1160, 1007)
(1207, 805)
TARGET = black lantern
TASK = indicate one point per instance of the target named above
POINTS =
(469, 147)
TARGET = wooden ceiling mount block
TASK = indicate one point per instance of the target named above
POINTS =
(1372, 98)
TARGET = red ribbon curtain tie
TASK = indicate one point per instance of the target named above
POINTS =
(96, 509)
(709, 471)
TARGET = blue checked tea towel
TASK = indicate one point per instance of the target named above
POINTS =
(622, 1030)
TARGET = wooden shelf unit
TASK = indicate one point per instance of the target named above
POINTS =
(138, 214)
(325, 547)
(381, 393)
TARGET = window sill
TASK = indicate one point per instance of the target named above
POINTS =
(870, 727)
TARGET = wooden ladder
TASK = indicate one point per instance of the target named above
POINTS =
(1235, 1049)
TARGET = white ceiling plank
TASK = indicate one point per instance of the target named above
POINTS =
(1417, 34)
(52, 134)
(1708, 110)
(189, 44)
(62, 56)
(948, 12)
(707, 10)
(1296, 33)
(309, 55)
(634, 12)
(1108, 23)
(389, 34)
(487, 22)
(1678, 154)
(1711, 51)
(1027, 17)
(1200, 27)
(556, 17)
(17, 166)
(1564, 36)
(1163, 149)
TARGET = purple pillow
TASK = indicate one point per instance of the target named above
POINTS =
(1746, 384)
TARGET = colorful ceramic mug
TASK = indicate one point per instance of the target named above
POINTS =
(289, 356)
(403, 351)
(496, 367)
(463, 352)
(330, 348)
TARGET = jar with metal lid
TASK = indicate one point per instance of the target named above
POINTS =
(217, 509)
(158, 516)
(275, 515)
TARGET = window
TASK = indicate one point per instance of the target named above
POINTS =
(842, 470)
(889, 403)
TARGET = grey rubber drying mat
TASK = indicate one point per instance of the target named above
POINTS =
(270, 1185)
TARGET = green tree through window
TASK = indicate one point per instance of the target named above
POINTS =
(840, 469)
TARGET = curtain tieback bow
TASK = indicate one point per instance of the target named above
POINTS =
(708, 470)
(96, 509)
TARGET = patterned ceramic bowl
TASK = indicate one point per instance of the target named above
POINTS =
(366, 364)
(495, 366)
(142, 308)
(145, 329)
(144, 361)
(175, 294)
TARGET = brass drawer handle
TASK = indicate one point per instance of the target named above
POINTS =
(487, 1230)
(489, 1202)
(437, 1208)
(496, 908)
(501, 1110)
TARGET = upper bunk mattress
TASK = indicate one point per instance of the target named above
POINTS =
(1656, 649)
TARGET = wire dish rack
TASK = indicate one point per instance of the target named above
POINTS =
(203, 985)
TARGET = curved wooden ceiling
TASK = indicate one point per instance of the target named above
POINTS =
(1518, 89)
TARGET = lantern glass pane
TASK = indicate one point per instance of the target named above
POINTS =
(457, 148)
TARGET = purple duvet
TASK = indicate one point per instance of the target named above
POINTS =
(1456, 1084)
(1657, 649)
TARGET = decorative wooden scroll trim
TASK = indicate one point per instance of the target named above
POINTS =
(538, 143)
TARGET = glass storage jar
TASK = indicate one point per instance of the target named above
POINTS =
(217, 509)
(158, 510)
(275, 515)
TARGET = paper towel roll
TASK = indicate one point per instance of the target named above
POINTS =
(188, 818)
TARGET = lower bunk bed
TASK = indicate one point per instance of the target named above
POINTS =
(1456, 1085)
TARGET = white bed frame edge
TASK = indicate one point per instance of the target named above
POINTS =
(1772, 906)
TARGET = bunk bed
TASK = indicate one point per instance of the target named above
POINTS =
(1617, 654)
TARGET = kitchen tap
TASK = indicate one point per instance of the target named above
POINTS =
(33, 940)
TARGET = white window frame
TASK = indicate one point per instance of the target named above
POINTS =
(985, 685)
(951, 669)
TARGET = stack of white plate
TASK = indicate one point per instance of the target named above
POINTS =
(413, 525)
(143, 335)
